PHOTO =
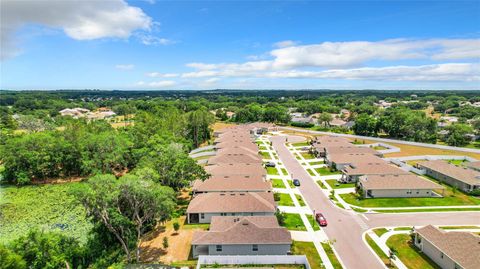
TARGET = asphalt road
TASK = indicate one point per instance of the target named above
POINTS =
(347, 227)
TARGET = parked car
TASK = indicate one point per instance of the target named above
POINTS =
(270, 164)
(296, 182)
(322, 221)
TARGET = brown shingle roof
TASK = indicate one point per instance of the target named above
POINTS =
(349, 149)
(353, 158)
(231, 169)
(234, 148)
(243, 230)
(377, 168)
(214, 202)
(235, 158)
(474, 165)
(232, 183)
(397, 182)
(465, 175)
(461, 247)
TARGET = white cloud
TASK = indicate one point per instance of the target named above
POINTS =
(150, 40)
(80, 20)
(285, 43)
(162, 75)
(157, 84)
(125, 66)
(212, 80)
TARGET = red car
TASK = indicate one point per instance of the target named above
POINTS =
(321, 219)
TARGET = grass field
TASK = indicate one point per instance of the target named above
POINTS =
(278, 183)
(272, 171)
(458, 199)
(285, 200)
(308, 249)
(379, 251)
(46, 207)
(294, 222)
(333, 183)
(408, 254)
(325, 171)
(331, 256)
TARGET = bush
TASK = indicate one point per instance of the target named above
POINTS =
(475, 192)
(280, 217)
(302, 124)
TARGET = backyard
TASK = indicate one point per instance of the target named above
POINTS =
(308, 249)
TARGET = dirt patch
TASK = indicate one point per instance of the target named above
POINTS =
(57, 180)
(179, 243)
(217, 126)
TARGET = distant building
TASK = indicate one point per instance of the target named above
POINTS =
(449, 250)
(242, 236)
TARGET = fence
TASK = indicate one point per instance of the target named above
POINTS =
(253, 259)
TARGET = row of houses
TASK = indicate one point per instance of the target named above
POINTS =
(236, 200)
(375, 176)
(466, 179)
(78, 112)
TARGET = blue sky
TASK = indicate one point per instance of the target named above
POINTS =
(240, 44)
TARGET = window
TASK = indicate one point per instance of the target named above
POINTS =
(254, 247)
(223, 214)
(202, 215)
(219, 248)
(441, 255)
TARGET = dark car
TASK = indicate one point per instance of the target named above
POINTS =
(322, 221)
(270, 164)
(296, 182)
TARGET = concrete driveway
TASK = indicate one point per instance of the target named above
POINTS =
(347, 227)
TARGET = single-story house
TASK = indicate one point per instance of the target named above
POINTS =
(353, 172)
(230, 169)
(235, 158)
(463, 178)
(350, 149)
(474, 165)
(236, 183)
(242, 236)
(321, 142)
(341, 160)
(449, 250)
(206, 205)
(376, 186)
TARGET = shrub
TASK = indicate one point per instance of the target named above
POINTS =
(302, 124)
(276, 196)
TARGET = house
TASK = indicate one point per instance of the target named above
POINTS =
(339, 161)
(230, 169)
(242, 236)
(353, 172)
(320, 143)
(206, 205)
(449, 250)
(474, 165)
(403, 185)
(235, 158)
(236, 183)
(75, 113)
(331, 150)
(336, 122)
(463, 178)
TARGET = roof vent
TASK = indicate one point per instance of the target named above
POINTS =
(222, 194)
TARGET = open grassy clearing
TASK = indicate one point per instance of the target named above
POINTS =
(272, 171)
(46, 207)
(337, 185)
(285, 200)
(300, 199)
(408, 254)
(325, 171)
(293, 222)
(379, 252)
(380, 231)
(308, 249)
(331, 256)
(458, 199)
(278, 183)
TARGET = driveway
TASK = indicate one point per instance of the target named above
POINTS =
(347, 227)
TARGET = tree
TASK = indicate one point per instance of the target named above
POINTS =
(11, 260)
(365, 125)
(198, 126)
(325, 119)
(280, 217)
(457, 134)
(126, 207)
(165, 243)
(176, 227)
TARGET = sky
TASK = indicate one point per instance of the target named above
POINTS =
(200, 45)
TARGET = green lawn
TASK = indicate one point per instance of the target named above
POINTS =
(458, 199)
(293, 222)
(379, 251)
(427, 210)
(46, 207)
(290, 183)
(262, 148)
(316, 163)
(301, 144)
(458, 162)
(285, 200)
(278, 183)
(310, 171)
(300, 199)
(265, 155)
(402, 229)
(272, 171)
(325, 171)
(307, 156)
(379, 148)
(331, 256)
(380, 231)
(313, 222)
(308, 249)
(408, 254)
(337, 185)
(458, 227)
(285, 172)
(320, 183)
